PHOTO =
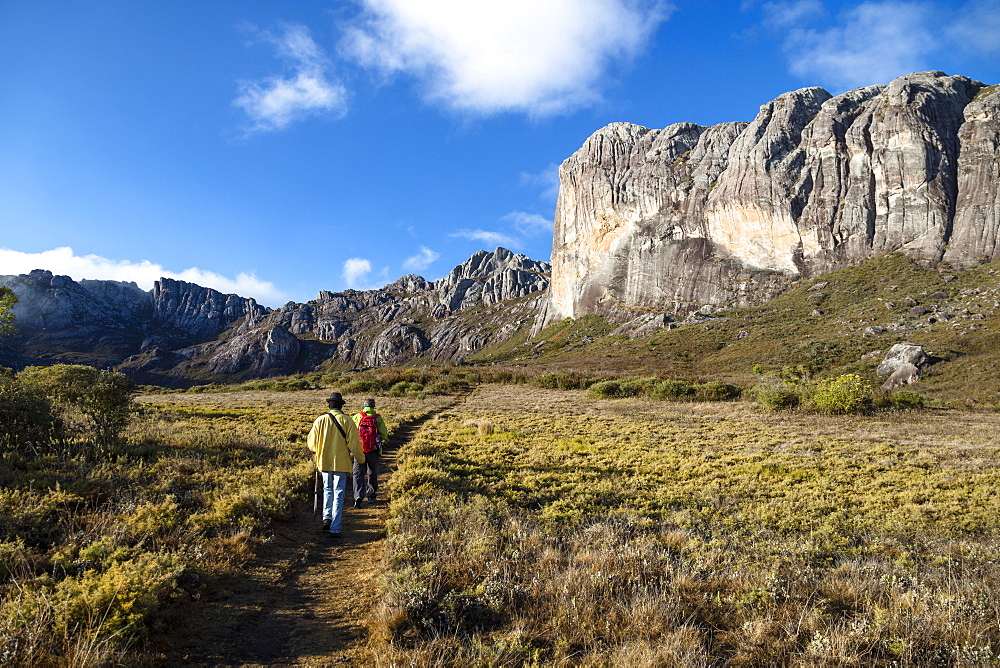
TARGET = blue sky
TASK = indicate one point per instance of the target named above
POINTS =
(276, 149)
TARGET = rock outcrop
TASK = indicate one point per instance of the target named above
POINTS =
(484, 300)
(902, 365)
(672, 220)
(182, 330)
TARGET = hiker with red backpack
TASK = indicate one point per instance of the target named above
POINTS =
(372, 432)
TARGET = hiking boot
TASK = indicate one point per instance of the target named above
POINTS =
(326, 525)
(357, 503)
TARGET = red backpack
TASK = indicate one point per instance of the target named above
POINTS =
(368, 431)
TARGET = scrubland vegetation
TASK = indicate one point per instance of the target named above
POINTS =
(554, 518)
(552, 528)
(108, 536)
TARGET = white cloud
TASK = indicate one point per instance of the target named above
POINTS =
(144, 273)
(490, 56)
(275, 102)
(529, 224)
(873, 42)
(422, 260)
(355, 272)
(488, 238)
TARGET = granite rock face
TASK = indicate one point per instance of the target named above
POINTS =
(676, 219)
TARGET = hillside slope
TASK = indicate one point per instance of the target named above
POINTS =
(839, 322)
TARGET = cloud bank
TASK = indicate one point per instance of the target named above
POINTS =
(875, 42)
(64, 261)
(307, 89)
(542, 58)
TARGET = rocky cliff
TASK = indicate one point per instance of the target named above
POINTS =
(691, 217)
(184, 331)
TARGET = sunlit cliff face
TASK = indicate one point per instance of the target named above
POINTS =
(677, 218)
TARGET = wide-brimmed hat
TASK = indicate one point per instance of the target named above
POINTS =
(335, 398)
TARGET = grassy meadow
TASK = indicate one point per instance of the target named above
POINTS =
(588, 499)
(541, 527)
(99, 553)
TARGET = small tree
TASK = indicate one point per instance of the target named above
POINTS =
(7, 301)
(109, 403)
(105, 397)
(26, 417)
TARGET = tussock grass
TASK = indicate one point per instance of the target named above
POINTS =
(95, 556)
(689, 534)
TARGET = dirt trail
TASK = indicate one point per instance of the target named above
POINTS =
(302, 601)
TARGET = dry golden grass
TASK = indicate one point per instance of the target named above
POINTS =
(92, 551)
(581, 531)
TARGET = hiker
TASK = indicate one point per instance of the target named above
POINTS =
(334, 439)
(372, 432)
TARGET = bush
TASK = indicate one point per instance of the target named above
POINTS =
(563, 381)
(448, 386)
(108, 402)
(717, 391)
(775, 394)
(25, 415)
(404, 388)
(105, 397)
(672, 390)
(844, 394)
(905, 400)
(606, 389)
(361, 386)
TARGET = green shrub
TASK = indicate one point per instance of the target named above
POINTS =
(447, 386)
(717, 391)
(906, 400)
(775, 394)
(606, 389)
(25, 415)
(404, 388)
(109, 403)
(672, 390)
(564, 381)
(361, 386)
(635, 387)
(844, 394)
(105, 397)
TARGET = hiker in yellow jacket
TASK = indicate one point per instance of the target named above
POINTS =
(333, 439)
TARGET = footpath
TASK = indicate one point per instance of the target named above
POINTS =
(302, 601)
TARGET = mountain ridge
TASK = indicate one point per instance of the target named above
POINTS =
(180, 331)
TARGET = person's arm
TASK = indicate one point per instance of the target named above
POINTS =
(383, 432)
(316, 435)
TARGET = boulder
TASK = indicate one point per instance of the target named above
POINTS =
(901, 354)
(905, 374)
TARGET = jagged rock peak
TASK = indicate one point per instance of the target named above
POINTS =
(199, 311)
(684, 217)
